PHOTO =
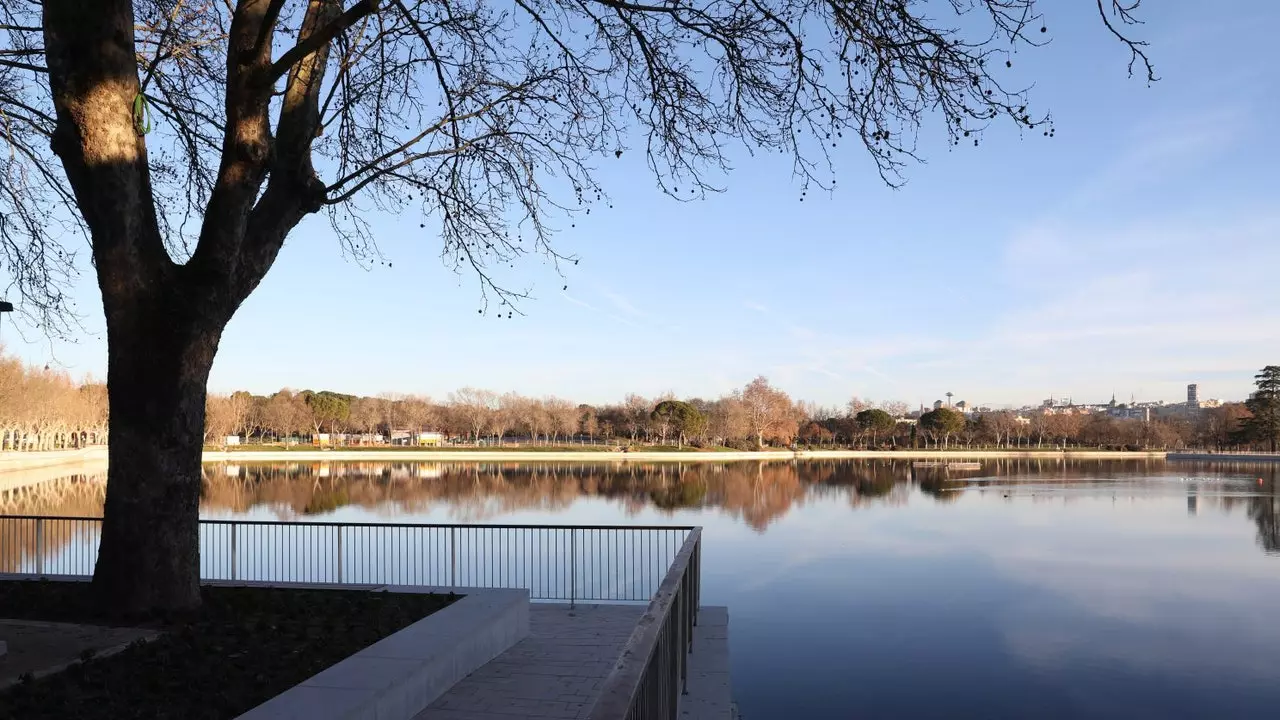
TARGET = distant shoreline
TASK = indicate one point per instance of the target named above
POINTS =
(1225, 457)
(650, 456)
(93, 458)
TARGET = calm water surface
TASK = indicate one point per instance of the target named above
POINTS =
(1044, 589)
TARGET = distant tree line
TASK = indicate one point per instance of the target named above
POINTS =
(43, 409)
(758, 415)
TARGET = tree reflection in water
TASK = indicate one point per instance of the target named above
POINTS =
(756, 493)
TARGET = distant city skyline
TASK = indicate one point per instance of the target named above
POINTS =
(1133, 252)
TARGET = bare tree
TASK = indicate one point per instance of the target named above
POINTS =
(728, 419)
(895, 408)
(473, 408)
(505, 415)
(531, 417)
(636, 410)
(365, 414)
(857, 405)
(563, 416)
(770, 414)
(588, 421)
(194, 135)
(219, 419)
(239, 409)
(285, 414)
(417, 413)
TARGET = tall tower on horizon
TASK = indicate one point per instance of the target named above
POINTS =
(1193, 394)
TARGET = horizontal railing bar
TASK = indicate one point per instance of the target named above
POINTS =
(317, 523)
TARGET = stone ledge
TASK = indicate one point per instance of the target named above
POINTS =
(398, 676)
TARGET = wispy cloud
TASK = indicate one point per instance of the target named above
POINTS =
(576, 301)
(621, 303)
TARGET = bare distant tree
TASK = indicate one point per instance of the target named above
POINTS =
(278, 414)
(563, 415)
(505, 415)
(389, 412)
(239, 407)
(857, 405)
(895, 408)
(365, 414)
(588, 422)
(418, 413)
(219, 419)
(636, 411)
(728, 419)
(770, 414)
(473, 408)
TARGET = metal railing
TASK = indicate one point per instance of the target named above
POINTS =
(653, 670)
(554, 562)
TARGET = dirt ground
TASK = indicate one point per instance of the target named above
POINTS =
(43, 647)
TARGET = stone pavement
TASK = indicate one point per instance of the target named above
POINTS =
(710, 691)
(556, 672)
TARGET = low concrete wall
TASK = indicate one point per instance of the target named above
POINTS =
(15, 460)
(398, 676)
(1224, 457)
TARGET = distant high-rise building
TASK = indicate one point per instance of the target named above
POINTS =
(1193, 394)
(937, 404)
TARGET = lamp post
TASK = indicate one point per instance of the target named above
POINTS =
(5, 307)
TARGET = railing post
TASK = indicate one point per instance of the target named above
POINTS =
(697, 582)
(339, 529)
(573, 567)
(453, 557)
(39, 546)
(686, 636)
(234, 561)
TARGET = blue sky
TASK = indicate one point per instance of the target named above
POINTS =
(1135, 252)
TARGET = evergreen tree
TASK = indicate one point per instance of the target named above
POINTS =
(1264, 408)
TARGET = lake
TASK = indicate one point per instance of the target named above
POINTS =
(869, 589)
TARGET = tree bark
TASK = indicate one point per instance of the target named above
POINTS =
(158, 365)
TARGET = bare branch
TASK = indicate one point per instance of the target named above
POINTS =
(321, 37)
(1137, 48)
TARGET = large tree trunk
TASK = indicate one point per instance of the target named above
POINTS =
(164, 319)
(156, 374)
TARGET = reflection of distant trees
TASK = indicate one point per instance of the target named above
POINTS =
(1265, 511)
(757, 493)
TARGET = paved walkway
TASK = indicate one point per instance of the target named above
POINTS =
(710, 691)
(556, 672)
